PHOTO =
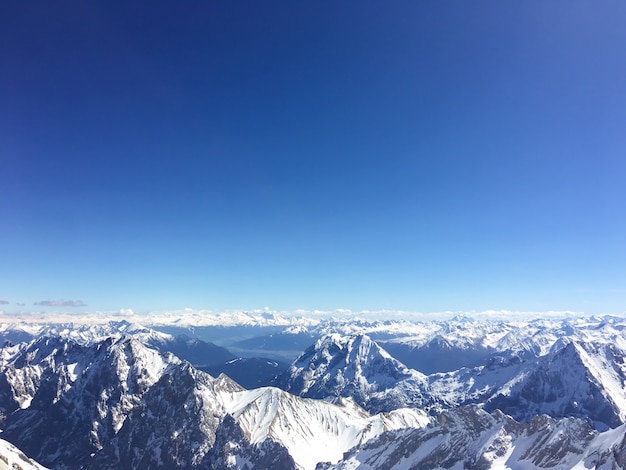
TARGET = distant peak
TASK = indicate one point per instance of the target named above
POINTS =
(226, 384)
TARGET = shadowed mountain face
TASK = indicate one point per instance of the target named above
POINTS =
(199, 353)
(67, 401)
(583, 380)
(250, 373)
(438, 355)
(116, 404)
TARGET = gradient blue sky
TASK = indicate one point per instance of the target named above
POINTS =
(423, 156)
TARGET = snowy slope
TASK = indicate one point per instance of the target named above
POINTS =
(311, 428)
(469, 438)
(12, 458)
(583, 380)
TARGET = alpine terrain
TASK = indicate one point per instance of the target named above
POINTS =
(532, 394)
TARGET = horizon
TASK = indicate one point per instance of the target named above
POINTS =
(198, 318)
(399, 158)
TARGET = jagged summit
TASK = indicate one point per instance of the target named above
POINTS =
(469, 437)
(580, 379)
(356, 367)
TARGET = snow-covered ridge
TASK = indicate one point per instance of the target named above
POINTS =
(471, 438)
(81, 333)
(533, 336)
(309, 428)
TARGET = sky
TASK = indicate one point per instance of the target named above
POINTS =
(418, 156)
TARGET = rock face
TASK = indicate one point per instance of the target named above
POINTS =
(65, 401)
(172, 426)
(354, 367)
(470, 438)
(582, 380)
(232, 450)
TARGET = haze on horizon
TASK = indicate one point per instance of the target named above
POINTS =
(420, 156)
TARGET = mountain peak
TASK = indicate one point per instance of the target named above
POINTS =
(579, 379)
(352, 366)
(224, 383)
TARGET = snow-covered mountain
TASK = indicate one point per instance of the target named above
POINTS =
(119, 403)
(427, 346)
(82, 333)
(64, 401)
(305, 426)
(520, 394)
(585, 380)
(355, 367)
(470, 438)
(190, 349)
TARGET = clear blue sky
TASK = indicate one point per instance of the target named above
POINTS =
(423, 156)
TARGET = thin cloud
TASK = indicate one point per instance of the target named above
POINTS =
(61, 303)
(4, 302)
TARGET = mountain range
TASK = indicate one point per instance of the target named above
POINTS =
(123, 395)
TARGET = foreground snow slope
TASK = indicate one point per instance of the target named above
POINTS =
(12, 458)
(310, 428)
(469, 438)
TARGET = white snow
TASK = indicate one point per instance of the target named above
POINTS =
(312, 430)
(12, 458)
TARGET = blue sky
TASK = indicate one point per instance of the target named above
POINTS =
(421, 156)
